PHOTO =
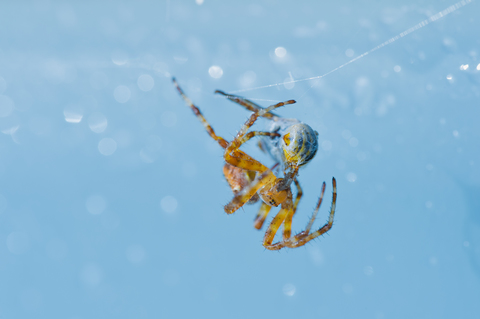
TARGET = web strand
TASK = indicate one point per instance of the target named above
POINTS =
(420, 25)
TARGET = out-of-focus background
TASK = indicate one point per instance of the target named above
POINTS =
(112, 194)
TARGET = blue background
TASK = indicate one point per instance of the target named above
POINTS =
(112, 194)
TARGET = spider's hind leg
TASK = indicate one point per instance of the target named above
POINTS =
(287, 226)
(285, 211)
(285, 216)
(261, 215)
(305, 236)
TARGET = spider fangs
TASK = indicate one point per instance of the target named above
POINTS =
(292, 144)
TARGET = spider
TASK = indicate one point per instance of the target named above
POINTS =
(292, 144)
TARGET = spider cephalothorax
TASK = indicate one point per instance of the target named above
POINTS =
(291, 144)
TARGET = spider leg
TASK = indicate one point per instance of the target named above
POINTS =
(237, 142)
(233, 177)
(264, 209)
(236, 157)
(298, 197)
(243, 196)
(261, 215)
(287, 209)
(287, 226)
(239, 159)
(315, 212)
(242, 160)
(304, 237)
(238, 179)
(223, 143)
(251, 134)
(249, 105)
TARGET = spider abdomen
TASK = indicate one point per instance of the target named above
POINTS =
(296, 145)
(299, 144)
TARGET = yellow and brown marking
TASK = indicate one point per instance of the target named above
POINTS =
(250, 180)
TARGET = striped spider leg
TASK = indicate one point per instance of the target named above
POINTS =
(236, 177)
(279, 191)
(292, 144)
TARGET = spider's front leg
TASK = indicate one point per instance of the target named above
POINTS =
(235, 157)
(249, 105)
(238, 158)
(242, 135)
(234, 174)
(221, 141)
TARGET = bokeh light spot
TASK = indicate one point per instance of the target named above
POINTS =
(119, 57)
(351, 177)
(107, 146)
(248, 79)
(151, 151)
(346, 134)
(97, 122)
(215, 71)
(135, 254)
(169, 204)
(145, 82)
(289, 290)
(122, 94)
(368, 270)
(91, 275)
(73, 114)
(96, 204)
(316, 255)
(280, 52)
(66, 16)
(347, 289)
(353, 142)
(361, 156)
